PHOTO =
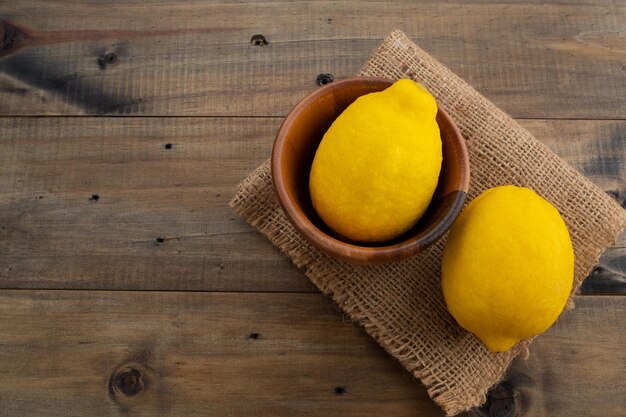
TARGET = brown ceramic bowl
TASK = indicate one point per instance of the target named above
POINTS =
(292, 157)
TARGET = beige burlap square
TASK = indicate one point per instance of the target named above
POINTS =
(401, 304)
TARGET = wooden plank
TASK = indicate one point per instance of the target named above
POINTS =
(55, 234)
(569, 366)
(535, 60)
(72, 353)
(226, 354)
(572, 376)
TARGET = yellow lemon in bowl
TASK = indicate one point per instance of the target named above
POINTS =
(507, 267)
(377, 166)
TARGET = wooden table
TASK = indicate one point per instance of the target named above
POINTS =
(129, 287)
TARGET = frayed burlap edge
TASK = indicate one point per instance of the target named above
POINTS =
(400, 305)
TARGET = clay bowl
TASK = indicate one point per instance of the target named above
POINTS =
(292, 157)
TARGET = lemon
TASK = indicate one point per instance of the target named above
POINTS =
(507, 267)
(377, 166)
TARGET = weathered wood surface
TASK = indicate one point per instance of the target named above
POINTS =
(72, 353)
(55, 234)
(141, 203)
(193, 57)
(569, 366)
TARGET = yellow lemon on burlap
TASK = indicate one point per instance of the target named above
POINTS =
(377, 166)
(507, 267)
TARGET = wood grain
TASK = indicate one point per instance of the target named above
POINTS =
(55, 234)
(570, 365)
(69, 353)
(224, 354)
(141, 203)
(535, 60)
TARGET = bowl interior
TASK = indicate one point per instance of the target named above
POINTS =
(294, 150)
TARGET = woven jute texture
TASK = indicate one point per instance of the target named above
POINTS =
(401, 304)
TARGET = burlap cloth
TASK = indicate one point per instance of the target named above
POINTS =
(401, 304)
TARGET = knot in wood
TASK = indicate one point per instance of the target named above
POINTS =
(500, 401)
(8, 40)
(258, 40)
(323, 79)
(128, 381)
(107, 59)
(12, 37)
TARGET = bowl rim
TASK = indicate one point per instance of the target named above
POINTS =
(347, 251)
